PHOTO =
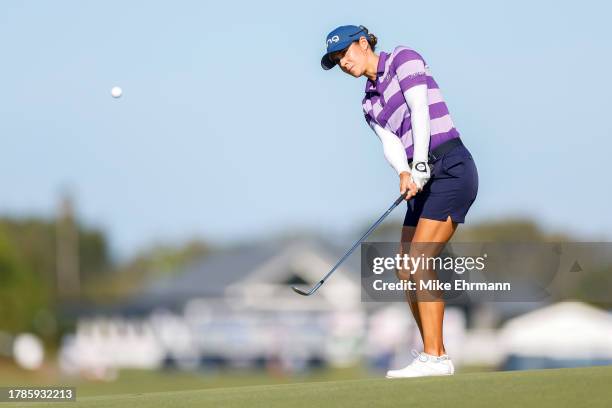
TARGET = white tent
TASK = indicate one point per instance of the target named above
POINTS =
(562, 331)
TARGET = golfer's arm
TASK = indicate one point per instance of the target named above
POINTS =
(393, 148)
(416, 98)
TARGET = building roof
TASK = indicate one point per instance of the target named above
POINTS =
(294, 261)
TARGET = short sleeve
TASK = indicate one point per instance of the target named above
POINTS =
(409, 68)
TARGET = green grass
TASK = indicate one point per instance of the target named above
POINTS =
(143, 381)
(579, 387)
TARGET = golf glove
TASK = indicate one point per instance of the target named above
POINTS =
(420, 174)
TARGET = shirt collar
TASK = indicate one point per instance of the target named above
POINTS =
(380, 69)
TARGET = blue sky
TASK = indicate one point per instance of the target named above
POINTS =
(228, 128)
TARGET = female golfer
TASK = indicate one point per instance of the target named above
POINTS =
(405, 108)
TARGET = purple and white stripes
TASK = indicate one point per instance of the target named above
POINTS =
(384, 101)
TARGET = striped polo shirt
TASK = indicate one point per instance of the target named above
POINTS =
(384, 102)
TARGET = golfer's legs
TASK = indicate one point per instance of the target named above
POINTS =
(431, 313)
(407, 234)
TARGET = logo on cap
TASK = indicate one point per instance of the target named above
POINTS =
(333, 39)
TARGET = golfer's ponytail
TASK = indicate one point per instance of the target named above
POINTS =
(372, 40)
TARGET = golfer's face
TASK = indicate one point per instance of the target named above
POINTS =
(350, 60)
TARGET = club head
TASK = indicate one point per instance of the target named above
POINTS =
(310, 292)
(300, 292)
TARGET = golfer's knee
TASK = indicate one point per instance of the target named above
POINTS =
(402, 273)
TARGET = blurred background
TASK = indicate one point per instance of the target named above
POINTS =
(149, 242)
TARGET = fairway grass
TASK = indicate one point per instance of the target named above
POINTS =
(576, 387)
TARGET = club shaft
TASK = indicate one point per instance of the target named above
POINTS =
(360, 240)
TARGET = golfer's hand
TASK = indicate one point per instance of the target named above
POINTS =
(420, 174)
(406, 184)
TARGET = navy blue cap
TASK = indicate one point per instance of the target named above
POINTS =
(339, 39)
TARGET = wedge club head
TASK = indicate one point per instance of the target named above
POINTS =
(310, 292)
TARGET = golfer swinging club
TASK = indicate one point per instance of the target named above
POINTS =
(405, 108)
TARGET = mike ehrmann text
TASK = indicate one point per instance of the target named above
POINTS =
(434, 284)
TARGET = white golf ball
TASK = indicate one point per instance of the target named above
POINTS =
(116, 92)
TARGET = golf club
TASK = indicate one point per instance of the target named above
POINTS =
(350, 251)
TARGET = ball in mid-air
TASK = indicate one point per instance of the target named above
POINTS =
(116, 92)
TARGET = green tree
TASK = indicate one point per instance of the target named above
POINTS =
(23, 293)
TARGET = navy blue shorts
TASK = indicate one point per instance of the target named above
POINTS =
(451, 190)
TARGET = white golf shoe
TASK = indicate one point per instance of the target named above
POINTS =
(425, 365)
